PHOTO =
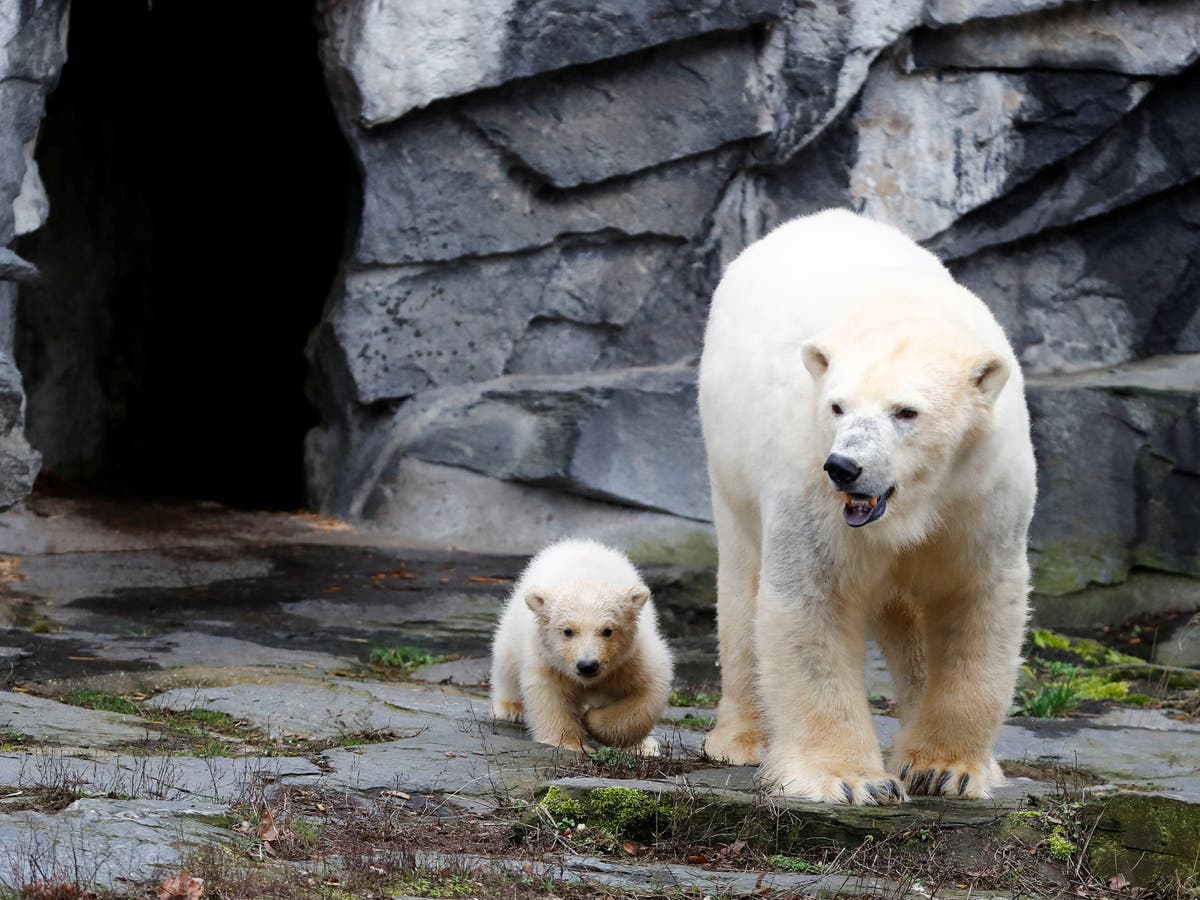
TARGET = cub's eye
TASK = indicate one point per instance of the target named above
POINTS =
(837, 409)
(568, 632)
(907, 413)
(607, 632)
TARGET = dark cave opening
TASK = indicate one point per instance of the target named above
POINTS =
(200, 190)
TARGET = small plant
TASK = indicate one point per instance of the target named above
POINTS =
(691, 720)
(686, 698)
(406, 657)
(102, 701)
(796, 864)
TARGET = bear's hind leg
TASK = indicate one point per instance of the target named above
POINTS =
(738, 736)
(898, 630)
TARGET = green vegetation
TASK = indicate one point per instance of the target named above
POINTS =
(616, 812)
(1065, 672)
(686, 698)
(795, 864)
(405, 658)
(691, 720)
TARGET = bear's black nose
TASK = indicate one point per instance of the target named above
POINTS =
(842, 470)
(588, 667)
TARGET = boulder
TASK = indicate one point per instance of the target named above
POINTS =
(396, 56)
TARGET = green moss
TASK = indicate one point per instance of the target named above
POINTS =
(796, 864)
(1043, 638)
(696, 549)
(1097, 687)
(617, 811)
(686, 698)
(1061, 846)
(1062, 567)
(691, 720)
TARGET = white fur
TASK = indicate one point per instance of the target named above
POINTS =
(942, 577)
(586, 587)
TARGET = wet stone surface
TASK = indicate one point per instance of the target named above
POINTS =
(235, 671)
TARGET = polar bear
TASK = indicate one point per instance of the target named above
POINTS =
(578, 652)
(871, 468)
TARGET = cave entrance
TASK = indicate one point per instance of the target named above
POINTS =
(199, 189)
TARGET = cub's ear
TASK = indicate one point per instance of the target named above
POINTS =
(637, 596)
(816, 358)
(989, 373)
(537, 601)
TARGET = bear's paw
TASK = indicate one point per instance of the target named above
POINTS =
(737, 744)
(876, 788)
(930, 777)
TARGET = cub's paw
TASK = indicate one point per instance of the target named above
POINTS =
(940, 777)
(649, 746)
(507, 710)
(738, 743)
(871, 788)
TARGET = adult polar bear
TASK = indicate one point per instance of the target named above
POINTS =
(848, 381)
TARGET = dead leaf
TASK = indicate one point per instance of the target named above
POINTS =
(697, 859)
(320, 807)
(242, 827)
(181, 886)
(267, 831)
(401, 794)
(48, 890)
(631, 848)
(488, 579)
(443, 581)
(450, 754)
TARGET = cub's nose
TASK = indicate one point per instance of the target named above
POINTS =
(588, 667)
(842, 470)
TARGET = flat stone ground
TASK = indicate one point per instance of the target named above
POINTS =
(224, 711)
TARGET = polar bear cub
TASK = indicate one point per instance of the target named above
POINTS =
(578, 653)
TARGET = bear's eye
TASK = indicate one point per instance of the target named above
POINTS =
(607, 632)
(907, 413)
(837, 409)
(568, 632)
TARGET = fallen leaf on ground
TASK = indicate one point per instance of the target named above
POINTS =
(267, 831)
(698, 859)
(181, 886)
(401, 794)
(488, 579)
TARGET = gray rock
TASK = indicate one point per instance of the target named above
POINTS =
(400, 56)
(1112, 604)
(434, 188)
(1118, 461)
(104, 843)
(51, 722)
(954, 12)
(1181, 647)
(407, 329)
(13, 268)
(472, 671)
(1155, 147)
(632, 436)
(604, 122)
(934, 146)
(1159, 38)
(1113, 289)
(428, 505)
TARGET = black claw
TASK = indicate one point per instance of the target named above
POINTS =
(963, 783)
(871, 789)
(848, 791)
(904, 771)
(896, 790)
(917, 786)
(941, 782)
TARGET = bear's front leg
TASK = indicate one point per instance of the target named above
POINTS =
(626, 722)
(821, 743)
(972, 649)
(552, 712)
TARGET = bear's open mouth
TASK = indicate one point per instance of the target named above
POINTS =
(863, 509)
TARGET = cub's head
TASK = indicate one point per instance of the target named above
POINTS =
(896, 410)
(587, 628)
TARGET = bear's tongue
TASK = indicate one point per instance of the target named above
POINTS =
(859, 509)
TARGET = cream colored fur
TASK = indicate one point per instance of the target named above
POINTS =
(836, 309)
(596, 594)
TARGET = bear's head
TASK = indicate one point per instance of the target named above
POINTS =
(587, 627)
(898, 408)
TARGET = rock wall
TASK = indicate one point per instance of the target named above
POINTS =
(33, 37)
(551, 190)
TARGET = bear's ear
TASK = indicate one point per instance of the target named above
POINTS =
(816, 358)
(637, 596)
(989, 374)
(537, 601)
